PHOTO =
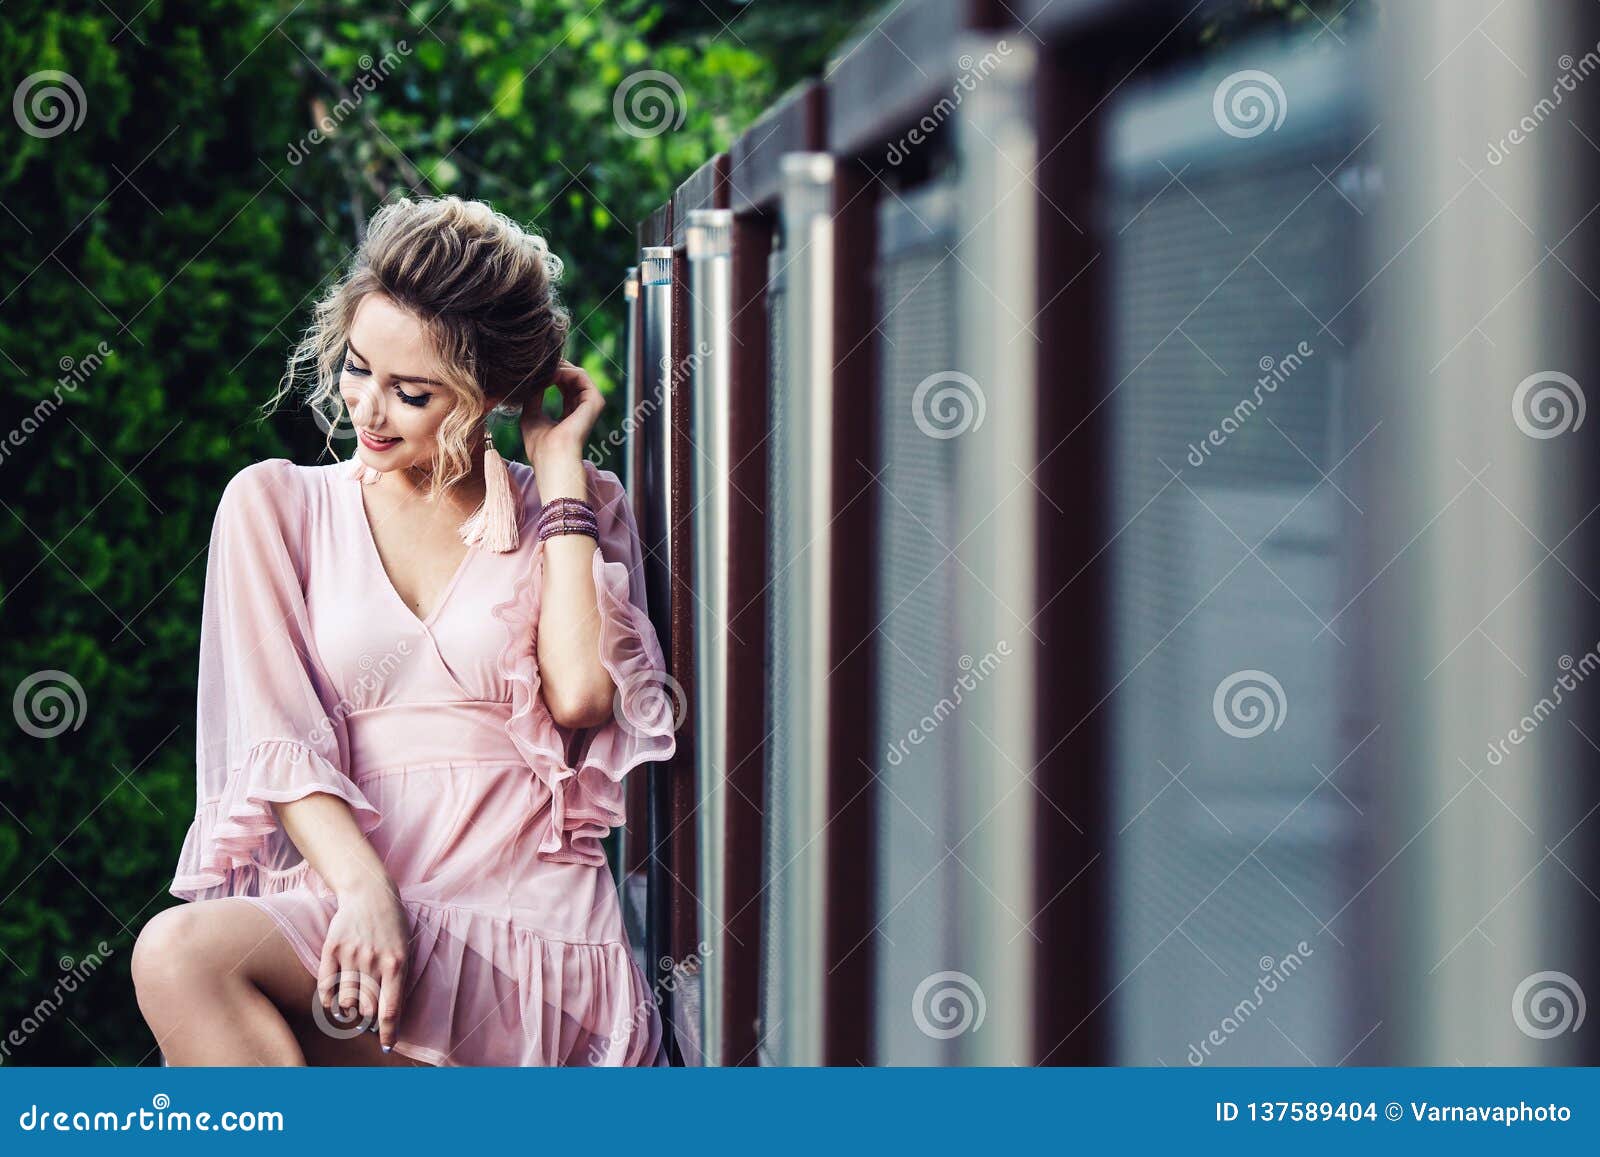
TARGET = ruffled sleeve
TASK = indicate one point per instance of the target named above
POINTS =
(583, 770)
(267, 726)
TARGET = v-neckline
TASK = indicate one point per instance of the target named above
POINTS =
(377, 562)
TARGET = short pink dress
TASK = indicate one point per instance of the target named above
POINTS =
(315, 676)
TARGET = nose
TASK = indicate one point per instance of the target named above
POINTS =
(366, 410)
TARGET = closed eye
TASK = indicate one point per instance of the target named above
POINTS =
(418, 400)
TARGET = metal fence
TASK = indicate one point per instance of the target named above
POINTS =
(1069, 454)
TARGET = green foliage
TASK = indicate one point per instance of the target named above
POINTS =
(170, 247)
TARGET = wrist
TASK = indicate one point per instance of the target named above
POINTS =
(560, 476)
(362, 879)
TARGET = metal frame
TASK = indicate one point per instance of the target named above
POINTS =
(997, 145)
(1034, 332)
(754, 186)
(915, 874)
(985, 131)
(798, 895)
(709, 243)
(1479, 303)
(654, 499)
(1073, 836)
(629, 845)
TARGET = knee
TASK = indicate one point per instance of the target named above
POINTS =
(166, 956)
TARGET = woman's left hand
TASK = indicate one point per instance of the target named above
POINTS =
(544, 438)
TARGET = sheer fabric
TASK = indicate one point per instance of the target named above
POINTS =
(315, 676)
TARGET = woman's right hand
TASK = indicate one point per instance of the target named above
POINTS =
(366, 955)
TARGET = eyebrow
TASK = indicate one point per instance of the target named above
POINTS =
(395, 377)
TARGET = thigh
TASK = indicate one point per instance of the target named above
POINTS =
(232, 935)
(225, 942)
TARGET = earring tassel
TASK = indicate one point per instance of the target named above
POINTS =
(494, 523)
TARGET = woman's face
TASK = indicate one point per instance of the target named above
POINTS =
(393, 386)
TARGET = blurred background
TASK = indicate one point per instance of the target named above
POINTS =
(1115, 475)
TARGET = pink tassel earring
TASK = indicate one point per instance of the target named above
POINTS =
(494, 523)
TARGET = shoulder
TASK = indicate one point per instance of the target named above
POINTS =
(264, 476)
(273, 489)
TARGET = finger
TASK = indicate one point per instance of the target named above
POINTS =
(572, 381)
(580, 394)
(571, 387)
(349, 984)
(367, 995)
(534, 411)
(594, 401)
(327, 975)
(392, 985)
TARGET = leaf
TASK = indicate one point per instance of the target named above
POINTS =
(508, 94)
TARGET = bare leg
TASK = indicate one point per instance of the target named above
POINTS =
(219, 985)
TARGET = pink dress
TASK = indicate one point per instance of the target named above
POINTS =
(315, 676)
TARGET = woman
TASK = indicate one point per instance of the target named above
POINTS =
(424, 673)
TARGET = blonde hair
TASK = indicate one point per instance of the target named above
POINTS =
(484, 290)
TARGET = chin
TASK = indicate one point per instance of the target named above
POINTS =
(386, 461)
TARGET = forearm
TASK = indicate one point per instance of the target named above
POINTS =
(325, 831)
(576, 686)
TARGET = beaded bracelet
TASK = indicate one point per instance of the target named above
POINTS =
(568, 516)
(570, 508)
(568, 526)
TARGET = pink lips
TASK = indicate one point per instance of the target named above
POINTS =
(372, 443)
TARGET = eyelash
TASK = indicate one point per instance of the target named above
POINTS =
(418, 400)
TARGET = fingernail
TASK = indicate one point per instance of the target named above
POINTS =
(387, 1048)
